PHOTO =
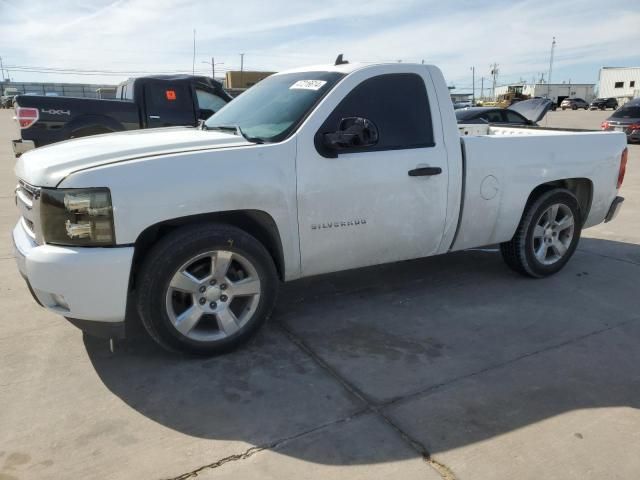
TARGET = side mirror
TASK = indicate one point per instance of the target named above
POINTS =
(352, 133)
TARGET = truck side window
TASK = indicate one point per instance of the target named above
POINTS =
(209, 101)
(167, 97)
(128, 91)
(396, 103)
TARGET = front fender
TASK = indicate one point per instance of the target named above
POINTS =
(154, 189)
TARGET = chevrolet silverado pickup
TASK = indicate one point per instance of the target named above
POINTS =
(313, 170)
(143, 102)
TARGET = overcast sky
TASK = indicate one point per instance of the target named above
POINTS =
(129, 37)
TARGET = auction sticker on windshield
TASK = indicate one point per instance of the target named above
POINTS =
(307, 85)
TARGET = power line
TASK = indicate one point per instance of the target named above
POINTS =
(82, 70)
(110, 73)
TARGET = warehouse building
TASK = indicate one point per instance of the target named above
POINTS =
(622, 83)
(554, 91)
(243, 79)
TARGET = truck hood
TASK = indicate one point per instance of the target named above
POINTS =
(48, 166)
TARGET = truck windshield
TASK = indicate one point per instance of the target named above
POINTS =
(272, 109)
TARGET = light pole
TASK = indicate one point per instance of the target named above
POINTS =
(553, 47)
(473, 86)
(193, 64)
(494, 74)
(242, 70)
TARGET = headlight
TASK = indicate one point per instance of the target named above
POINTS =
(77, 216)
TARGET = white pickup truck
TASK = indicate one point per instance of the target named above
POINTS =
(311, 171)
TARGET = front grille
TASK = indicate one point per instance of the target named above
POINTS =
(27, 197)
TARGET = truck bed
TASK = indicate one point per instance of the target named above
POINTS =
(59, 117)
(503, 165)
(476, 130)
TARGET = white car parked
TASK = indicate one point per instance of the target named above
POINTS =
(311, 171)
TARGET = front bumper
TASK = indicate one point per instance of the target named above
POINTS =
(87, 285)
(22, 146)
(614, 209)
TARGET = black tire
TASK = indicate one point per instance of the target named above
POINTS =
(518, 253)
(179, 247)
(575, 107)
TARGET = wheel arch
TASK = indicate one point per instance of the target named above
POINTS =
(582, 188)
(90, 122)
(257, 223)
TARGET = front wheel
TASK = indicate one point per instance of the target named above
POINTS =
(206, 289)
(547, 236)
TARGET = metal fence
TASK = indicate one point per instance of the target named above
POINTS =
(56, 89)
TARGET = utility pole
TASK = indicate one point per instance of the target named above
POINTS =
(193, 64)
(473, 86)
(1, 69)
(481, 88)
(553, 47)
(213, 66)
(242, 70)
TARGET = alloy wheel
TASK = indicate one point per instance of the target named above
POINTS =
(553, 233)
(213, 295)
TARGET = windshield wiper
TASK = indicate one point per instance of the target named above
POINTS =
(235, 129)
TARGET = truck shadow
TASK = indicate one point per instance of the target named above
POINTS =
(454, 349)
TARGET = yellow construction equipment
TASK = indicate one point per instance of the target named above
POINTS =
(514, 94)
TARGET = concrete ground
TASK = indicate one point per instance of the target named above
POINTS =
(450, 367)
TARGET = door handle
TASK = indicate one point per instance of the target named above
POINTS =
(425, 171)
(155, 117)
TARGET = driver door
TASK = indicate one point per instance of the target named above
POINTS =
(168, 104)
(377, 203)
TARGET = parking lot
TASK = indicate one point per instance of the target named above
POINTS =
(450, 367)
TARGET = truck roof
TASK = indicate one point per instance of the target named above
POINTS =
(345, 68)
(181, 76)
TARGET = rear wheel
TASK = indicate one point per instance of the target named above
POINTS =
(206, 289)
(547, 236)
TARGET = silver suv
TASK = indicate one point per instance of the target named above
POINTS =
(574, 104)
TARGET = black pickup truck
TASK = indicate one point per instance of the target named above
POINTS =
(143, 102)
